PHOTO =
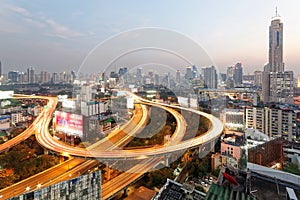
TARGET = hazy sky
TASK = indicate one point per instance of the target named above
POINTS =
(57, 35)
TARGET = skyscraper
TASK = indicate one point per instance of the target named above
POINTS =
(258, 78)
(210, 76)
(275, 45)
(178, 76)
(277, 83)
(189, 73)
(31, 75)
(235, 75)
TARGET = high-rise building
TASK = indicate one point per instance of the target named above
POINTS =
(156, 79)
(209, 75)
(13, 76)
(195, 71)
(258, 78)
(235, 75)
(178, 76)
(273, 121)
(189, 73)
(238, 76)
(30, 74)
(45, 77)
(277, 83)
(275, 45)
(139, 77)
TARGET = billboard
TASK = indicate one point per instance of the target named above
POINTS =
(69, 123)
(183, 101)
(130, 102)
(6, 94)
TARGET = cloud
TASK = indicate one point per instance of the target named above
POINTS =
(33, 22)
(16, 19)
(64, 32)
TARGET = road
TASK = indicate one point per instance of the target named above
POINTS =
(46, 140)
(44, 178)
(108, 152)
(123, 180)
(52, 101)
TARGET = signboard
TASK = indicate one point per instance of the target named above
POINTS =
(183, 101)
(69, 123)
(130, 102)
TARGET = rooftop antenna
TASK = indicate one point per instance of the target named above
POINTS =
(276, 14)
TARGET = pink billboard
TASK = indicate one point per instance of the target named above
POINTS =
(69, 123)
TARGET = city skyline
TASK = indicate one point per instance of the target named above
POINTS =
(60, 35)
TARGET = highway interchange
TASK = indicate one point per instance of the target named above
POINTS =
(108, 148)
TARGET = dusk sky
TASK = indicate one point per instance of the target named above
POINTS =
(57, 35)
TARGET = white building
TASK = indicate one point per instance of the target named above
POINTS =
(16, 117)
(273, 121)
(233, 119)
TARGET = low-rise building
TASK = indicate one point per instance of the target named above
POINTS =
(174, 190)
(233, 119)
(16, 117)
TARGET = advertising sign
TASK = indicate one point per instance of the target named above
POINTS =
(69, 123)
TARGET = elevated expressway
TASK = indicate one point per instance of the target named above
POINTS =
(40, 128)
(154, 155)
(50, 107)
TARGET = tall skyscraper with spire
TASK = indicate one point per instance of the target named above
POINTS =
(275, 45)
(277, 83)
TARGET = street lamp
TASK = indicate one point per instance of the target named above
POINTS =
(39, 186)
(27, 188)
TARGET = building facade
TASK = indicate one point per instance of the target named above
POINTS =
(209, 75)
(277, 83)
(274, 121)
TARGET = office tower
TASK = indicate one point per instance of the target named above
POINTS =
(13, 76)
(258, 78)
(275, 45)
(195, 72)
(156, 79)
(166, 80)
(45, 77)
(177, 76)
(189, 73)
(277, 83)
(30, 75)
(222, 77)
(73, 75)
(238, 78)
(235, 75)
(139, 75)
(209, 75)
(54, 78)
